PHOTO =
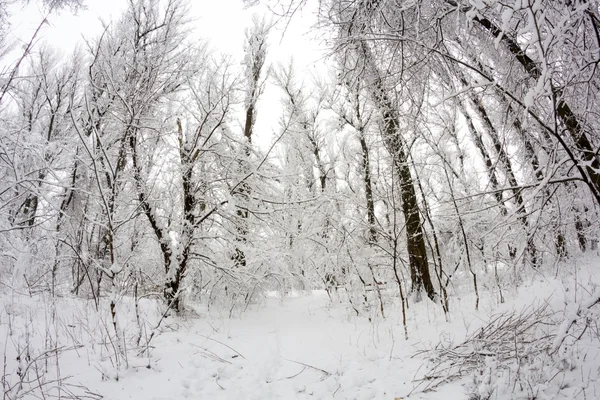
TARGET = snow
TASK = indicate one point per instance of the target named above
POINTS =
(301, 346)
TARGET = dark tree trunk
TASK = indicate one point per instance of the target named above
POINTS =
(504, 159)
(372, 235)
(417, 254)
(583, 154)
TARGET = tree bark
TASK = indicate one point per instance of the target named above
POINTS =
(417, 254)
(589, 165)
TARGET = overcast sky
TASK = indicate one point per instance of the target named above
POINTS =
(222, 22)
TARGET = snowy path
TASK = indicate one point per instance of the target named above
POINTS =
(292, 348)
(298, 348)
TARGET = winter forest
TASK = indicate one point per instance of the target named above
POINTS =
(418, 218)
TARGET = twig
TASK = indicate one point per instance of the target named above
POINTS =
(211, 354)
(326, 373)
(223, 344)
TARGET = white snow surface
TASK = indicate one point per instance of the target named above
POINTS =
(301, 346)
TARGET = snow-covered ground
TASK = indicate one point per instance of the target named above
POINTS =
(303, 346)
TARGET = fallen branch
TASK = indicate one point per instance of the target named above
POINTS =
(568, 323)
(506, 338)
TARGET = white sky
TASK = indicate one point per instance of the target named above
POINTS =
(222, 22)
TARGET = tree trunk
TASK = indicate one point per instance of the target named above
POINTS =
(417, 254)
(589, 163)
(372, 235)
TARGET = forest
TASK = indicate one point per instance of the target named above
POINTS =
(447, 162)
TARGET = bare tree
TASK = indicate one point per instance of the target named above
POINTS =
(255, 55)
